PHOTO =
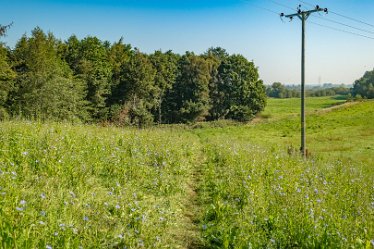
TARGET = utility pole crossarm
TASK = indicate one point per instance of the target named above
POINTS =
(306, 13)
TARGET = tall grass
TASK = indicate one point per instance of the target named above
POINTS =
(227, 186)
(253, 198)
(68, 187)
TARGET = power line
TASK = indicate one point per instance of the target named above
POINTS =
(262, 8)
(281, 4)
(352, 19)
(343, 24)
(341, 30)
(318, 24)
(344, 16)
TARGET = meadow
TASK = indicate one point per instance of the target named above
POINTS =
(217, 185)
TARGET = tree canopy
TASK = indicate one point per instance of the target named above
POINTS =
(364, 87)
(90, 80)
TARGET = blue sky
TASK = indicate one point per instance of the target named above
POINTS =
(247, 27)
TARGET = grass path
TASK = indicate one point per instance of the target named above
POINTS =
(192, 207)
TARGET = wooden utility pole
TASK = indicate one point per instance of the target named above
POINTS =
(303, 15)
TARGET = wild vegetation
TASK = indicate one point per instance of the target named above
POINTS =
(219, 185)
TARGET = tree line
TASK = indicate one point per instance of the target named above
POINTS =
(90, 80)
(278, 90)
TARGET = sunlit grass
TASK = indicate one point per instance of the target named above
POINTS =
(218, 186)
(81, 186)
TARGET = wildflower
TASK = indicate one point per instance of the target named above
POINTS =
(41, 222)
(55, 234)
(42, 195)
(316, 191)
(42, 213)
(72, 194)
(19, 209)
(25, 153)
(85, 218)
(319, 200)
(141, 243)
(22, 202)
(48, 247)
(118, 206)
(120, 236)
(204, 227)
(62, 226)
(372, 242)
(106, 204)
(298, 190)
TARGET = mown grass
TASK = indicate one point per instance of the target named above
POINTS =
(344, 132)
(281, 108)
(224, 186)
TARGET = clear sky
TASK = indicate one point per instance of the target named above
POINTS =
(248, 27)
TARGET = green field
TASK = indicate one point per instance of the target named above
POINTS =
(216, 185)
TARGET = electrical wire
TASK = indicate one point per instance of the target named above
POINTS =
(344, 16)
(260, 7)
(314, 23)
(343, 24)
(281, 4)
(341, 30)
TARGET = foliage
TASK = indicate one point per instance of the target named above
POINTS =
(7, 76)
(166, 66)
(277, 90)
(44, 87)
(364, 87)
(189, 98)
(244, 92)
(90, 80)
(4, 28)
(137, 88)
